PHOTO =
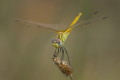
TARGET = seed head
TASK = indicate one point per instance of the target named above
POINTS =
(64, 67)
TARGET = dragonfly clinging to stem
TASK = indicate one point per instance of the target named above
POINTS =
(62, 34)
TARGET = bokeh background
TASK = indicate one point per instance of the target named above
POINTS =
(26, 52)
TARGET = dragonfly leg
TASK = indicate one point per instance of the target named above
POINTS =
(67, 55)
(55, 53)
(57, 50)
(62, 53)
(71, 78)
(60, 50)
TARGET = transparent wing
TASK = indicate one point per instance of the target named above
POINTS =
(82, 23)
(53, 27)
(56, 27)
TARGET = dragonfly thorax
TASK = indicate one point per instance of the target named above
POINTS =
(57, 43)
(63, 36)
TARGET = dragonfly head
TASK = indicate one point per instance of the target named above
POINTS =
(57, 43)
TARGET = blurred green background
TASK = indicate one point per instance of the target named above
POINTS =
(26, 52)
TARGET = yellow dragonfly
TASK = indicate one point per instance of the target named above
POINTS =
(62, 31)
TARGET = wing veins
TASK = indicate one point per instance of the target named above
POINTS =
(53, 27)
(89, 22)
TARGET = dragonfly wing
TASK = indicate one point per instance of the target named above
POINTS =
(80, 24)
(54, 27)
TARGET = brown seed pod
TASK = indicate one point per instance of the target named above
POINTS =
(64, 67)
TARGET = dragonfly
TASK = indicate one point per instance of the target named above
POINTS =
(62, 32)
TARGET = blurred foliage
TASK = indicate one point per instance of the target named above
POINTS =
(26, 52)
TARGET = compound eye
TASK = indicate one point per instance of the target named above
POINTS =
(54, 41)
